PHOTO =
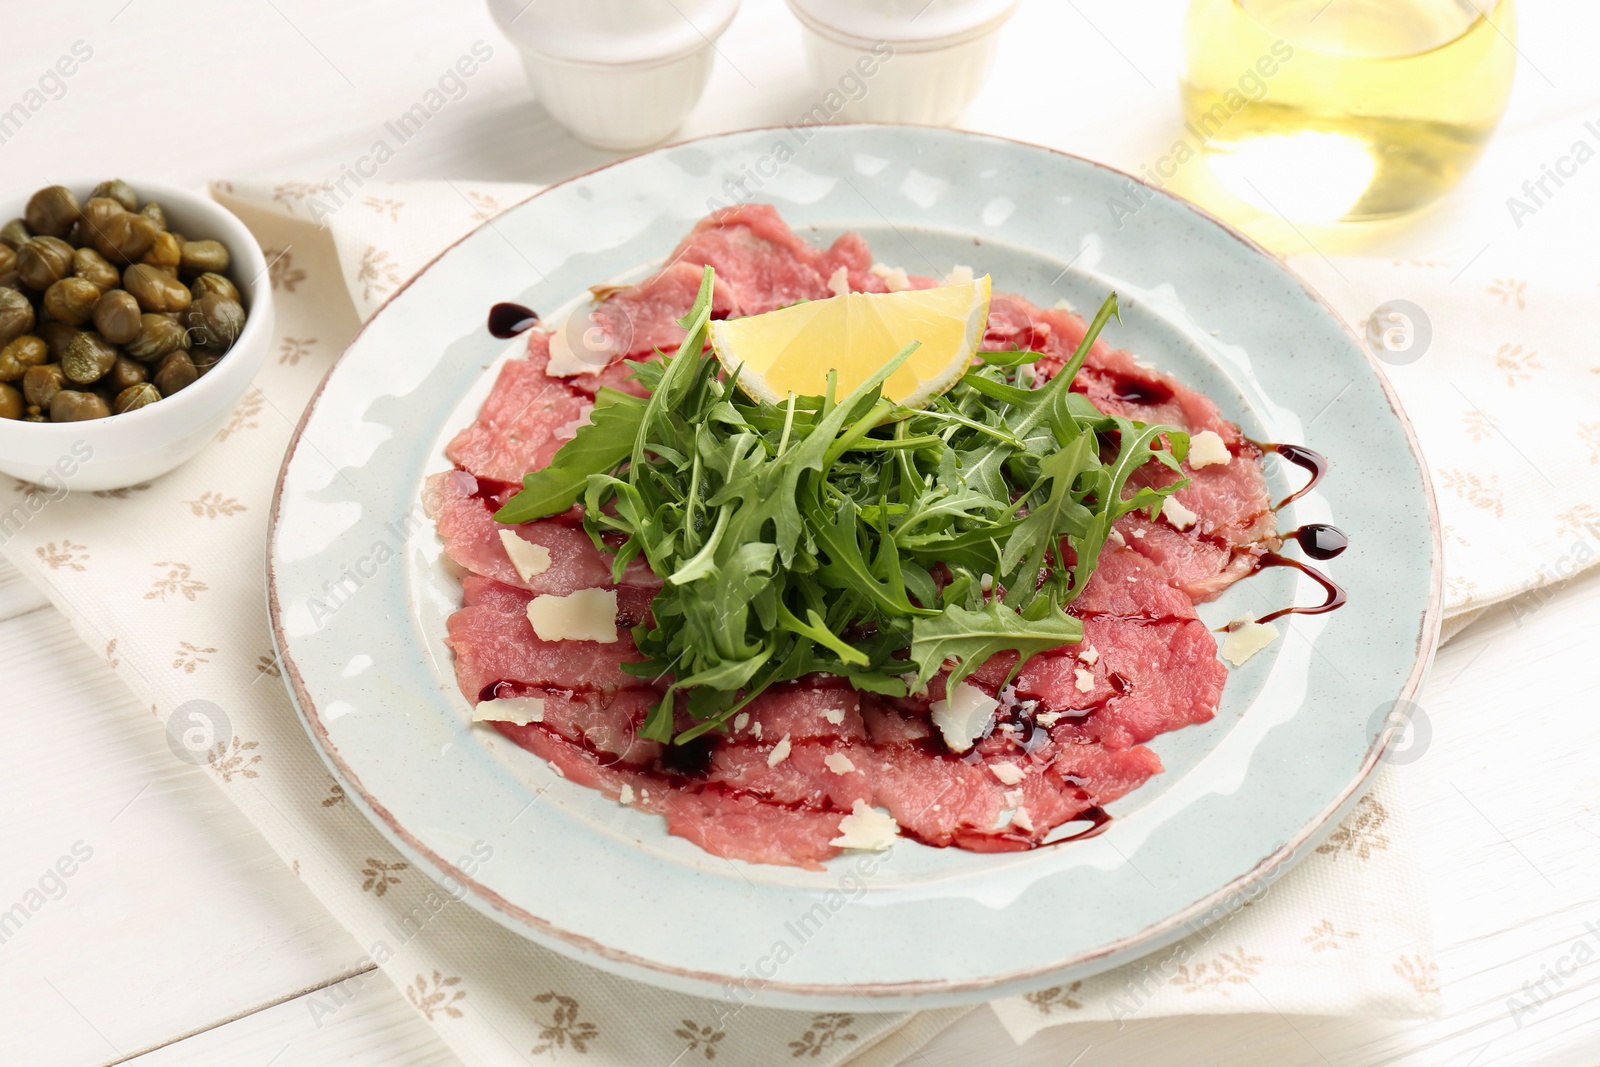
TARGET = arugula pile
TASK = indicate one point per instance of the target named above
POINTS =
(846, 534)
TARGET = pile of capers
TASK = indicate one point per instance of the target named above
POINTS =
(103, 309)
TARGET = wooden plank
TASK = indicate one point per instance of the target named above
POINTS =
(18, 596)
(377, 1029)
(151, 906)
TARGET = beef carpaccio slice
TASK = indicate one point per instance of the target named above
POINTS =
(1071, 731)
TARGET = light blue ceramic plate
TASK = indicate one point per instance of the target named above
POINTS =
(1301, 726)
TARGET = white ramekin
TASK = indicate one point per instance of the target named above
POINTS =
(146, 443)
(617, 74)
(919, 61)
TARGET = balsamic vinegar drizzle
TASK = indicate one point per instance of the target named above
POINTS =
(508, 320)
(1314, 463)
(1335, 592)
(1319, 540)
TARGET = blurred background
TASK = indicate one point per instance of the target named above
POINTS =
(298, 88)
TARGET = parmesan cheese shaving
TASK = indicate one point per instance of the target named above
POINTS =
(866, 828)
(1207, 448)
(961, 717)
(1246, 638)
(838, 763)
(518, 711)
(587, 615)
(564, 361)
(528, 558)
(894, 277)
(1007, 773)
(1175, 513)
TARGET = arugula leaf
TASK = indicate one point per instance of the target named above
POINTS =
(1135, 450)
(1059, 514)
(600, 444)
(971, 637)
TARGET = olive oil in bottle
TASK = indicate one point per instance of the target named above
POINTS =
(1336, 110)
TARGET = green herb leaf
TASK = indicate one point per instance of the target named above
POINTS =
(599, 445)
(970, 637)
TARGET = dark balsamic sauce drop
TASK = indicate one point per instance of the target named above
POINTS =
(1335, 592)
(508, 320)
(1319, 540)
(1314, 463)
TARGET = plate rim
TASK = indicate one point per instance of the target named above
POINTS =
(1150, 938)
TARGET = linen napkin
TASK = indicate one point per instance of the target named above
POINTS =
(1495, 366)
(164, 578)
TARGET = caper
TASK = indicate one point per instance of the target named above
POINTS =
(23, 352)
(52, 211)
(14, 233)
(155, 289)
(211, 282)
(41, 383)
(11, 406)
(10, 279)
(176, 372)
(214, 322)
(205, 357)
(164, 252)
(91, 266)
(135, 396)
(158, 335)
(56, 336)
(125, 372)
(8, 259)
(116, 316)
(70, 405)
(118, 190)
(16, 315)
(43, 261)
(156, 214)
(202, 256)
(71, 300)
(88, 358)
(99, 211)
(124, 237)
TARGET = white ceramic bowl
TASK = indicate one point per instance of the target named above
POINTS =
(148, 442)
(915, 62)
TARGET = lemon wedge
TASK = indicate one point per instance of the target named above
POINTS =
(791, 350)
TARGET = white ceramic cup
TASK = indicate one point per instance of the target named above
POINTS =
(148, 442)
(617, 74)
(621, 107)
(928, 60)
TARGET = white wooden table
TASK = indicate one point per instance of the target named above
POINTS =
(182, 939)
